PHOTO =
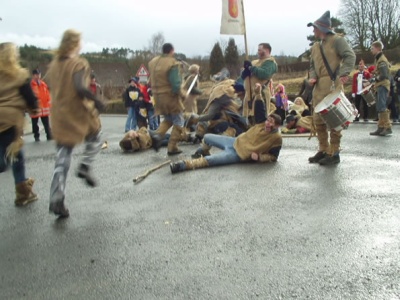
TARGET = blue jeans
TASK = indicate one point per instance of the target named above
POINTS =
(228, 154)
(131, 121)
(382, 99)
(18, 164)
(176, 120)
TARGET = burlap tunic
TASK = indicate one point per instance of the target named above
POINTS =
(340, 57)
(252, 82)
(72, 118)
(167, 101)
(12, 107)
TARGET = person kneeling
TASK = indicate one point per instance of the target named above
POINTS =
(261, 143)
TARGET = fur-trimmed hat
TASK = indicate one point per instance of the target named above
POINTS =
(323, 23)
(194, 69)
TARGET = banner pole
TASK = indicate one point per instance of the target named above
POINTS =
(245, 34)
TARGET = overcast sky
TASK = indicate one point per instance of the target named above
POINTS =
(191, 25)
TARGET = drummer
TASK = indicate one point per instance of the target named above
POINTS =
(328, 78)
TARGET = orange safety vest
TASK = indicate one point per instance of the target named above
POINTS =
(41, 92)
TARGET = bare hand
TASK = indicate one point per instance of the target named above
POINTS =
(257, 88)
(312, 81)
(133, 134)
(344, 79)
(254, 156)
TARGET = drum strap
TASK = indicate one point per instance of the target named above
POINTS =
(332, 75)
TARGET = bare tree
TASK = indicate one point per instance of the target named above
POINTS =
(370, 20)
(155, 43)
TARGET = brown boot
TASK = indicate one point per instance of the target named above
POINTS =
(183, 165)
(176, 136)
(24, 193)
(387, 126)
(380, 125)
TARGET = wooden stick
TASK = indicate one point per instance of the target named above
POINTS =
(149, 171)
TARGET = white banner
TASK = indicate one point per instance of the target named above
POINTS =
(232, 21)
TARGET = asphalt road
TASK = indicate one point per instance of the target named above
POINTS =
(290, 230)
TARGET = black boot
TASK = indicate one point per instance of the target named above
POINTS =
(178, 166)
(85, 173)
(155, 140)
(59, 209)
(377, 131)
(330, 160)
(317, 157)
(385, 132)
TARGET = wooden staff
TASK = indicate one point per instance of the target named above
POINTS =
(247, 58)
(139, 178)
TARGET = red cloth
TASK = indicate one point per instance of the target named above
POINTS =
(143, 90)
(366, 75)
(93, 88)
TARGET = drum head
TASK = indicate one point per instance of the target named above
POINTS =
(326, 103)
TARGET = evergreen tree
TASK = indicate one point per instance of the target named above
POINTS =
(232, 58)
(216, 59)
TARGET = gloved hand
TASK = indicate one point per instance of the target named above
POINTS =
(100, 106)
(245, 73)
(238, 87)
(247, 64)
(353, 95)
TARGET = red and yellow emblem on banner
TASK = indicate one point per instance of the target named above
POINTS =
(233, 8)
(232, 20)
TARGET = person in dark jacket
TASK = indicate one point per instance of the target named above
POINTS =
(132, 96)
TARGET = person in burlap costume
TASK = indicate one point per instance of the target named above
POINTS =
(221, 114)
(261, 143)
(16, 96)
(382, 88)
(299, 108)
(166, 88)
(139, 140)
(259, 71)
(296, 124)
(341, 60)
(74, 117)
(190, 102)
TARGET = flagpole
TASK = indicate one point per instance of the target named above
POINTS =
(246, 56)
(245, 34)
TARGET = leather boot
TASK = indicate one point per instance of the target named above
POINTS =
(183, 165)
(85, 173)
(330, 160)
(204, 150)
(176, 136)
(24, 193)
(387, 126)
(317, 157)
(380, 125)
(59, 209)
(323, 144)
(158, 135)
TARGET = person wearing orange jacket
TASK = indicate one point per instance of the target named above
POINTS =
(42, 93)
